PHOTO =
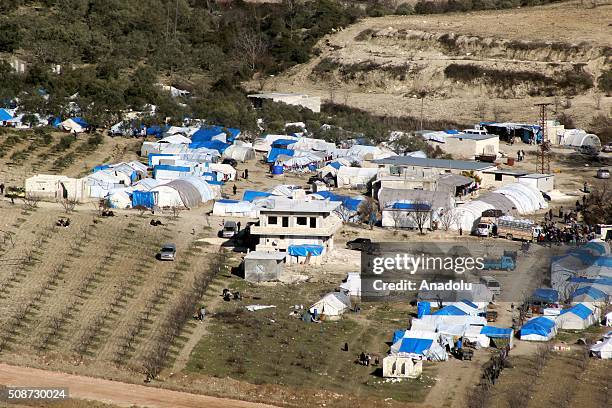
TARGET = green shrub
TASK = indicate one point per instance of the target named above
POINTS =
(604, 82)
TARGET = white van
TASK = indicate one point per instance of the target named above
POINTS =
(491, 283)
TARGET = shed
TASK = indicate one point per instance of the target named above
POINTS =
(397, 366)
(263, 266)
(543, 182)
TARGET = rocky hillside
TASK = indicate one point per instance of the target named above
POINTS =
(474, 66)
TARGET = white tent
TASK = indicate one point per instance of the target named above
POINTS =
(578, 317)
(184, 192)
(120, 199)
(175, 138)
(526, 198)
(265, 144)
(224, 169)
(609, 319)
(307, 143)
(104, 181)
(421, 344)
(71, 126)
(332, 305)
(473, 334)
(468, 215)
(603, 349)
(241, 153)
(233, 208)
(355, 176)
(578, 137)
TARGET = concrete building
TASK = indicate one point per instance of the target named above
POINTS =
(467, 146)
(50, 187)
(501, 177)
(309, 102)
(396, 366)
(304, 229)
(420, 167)
(263, 266)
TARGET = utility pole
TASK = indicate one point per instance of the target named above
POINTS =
(543, 157)
(175, 18)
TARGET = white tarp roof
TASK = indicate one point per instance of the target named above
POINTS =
(240, 153)
(175, 139)
(355, 176)
(468, 215)
(228, 208)
(578, 137)
(526, 198)
(604, 349)
(71, 126)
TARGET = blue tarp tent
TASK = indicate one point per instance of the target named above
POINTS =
(100, 167)
(496, 332)
(470, 304)
(305, 250)
(212, 144)
(590, 291)
(450, 311)
(181, 169)
(151, 155)
(250, 195)
(156, 131)
(579, 310)
(336, 165)
(55, 122)
(545, 295)
(81, 122)
(599, 281)
(540, 326)
(206, 133)
(281, 143)
(143, 198)
(423, 308)
(397, 335)
(4, 115)
(348, 202)
(277, 151)
(411, 206)
(416, 346)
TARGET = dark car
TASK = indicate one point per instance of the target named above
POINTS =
(231, 162)
(359, 244)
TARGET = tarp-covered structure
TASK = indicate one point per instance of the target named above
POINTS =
(331, 306)
(515, 197)
(355, 177)
(188, 192)
(578, 138)
(538, 329)
(602, 349)
(240, 153)
(234, 208)
(578, 317)
(419, 344)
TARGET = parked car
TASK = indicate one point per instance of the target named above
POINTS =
(230, 229)
(231, 162)
(167, 252)
(359, 244)
(607, 148)
(603, 174)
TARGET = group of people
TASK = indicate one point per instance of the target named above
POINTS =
(571, 232)
(520, 155)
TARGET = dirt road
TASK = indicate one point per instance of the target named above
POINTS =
(113, 392)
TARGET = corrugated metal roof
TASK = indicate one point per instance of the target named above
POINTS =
(437, 163)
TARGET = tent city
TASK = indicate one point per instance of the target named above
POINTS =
(306, 203)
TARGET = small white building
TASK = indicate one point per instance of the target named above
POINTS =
(467, 146)
(397, 366)
(53, 187)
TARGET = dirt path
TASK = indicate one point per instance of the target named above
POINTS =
(113, 392)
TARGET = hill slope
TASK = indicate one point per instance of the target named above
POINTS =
(471, 66)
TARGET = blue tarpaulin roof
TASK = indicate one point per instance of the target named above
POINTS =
(143, 198)
(416, 346)
(579, 310)
(276, 151)
(226, 201)
(336, 165)
(398, 334)
(156, 130)
(546, 295)
(4, 115)
(151, 155)
(412, 206)
(82, 122)
(496, 332)
(55, 122)
(283, 142)
(212, 144)
(169, 167)
(348, 202)
(594, 293)
(540, 325)
(599, 281)
(470, 304)
(451, 131)
(305, 250)
(450, 311)
(100, 167)
(250, 195)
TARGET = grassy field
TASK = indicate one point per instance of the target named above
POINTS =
(270, 346)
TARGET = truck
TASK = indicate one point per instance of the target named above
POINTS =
(487, 225)
(505, 262)
(523, 230)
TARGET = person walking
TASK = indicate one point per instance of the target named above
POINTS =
(246, 174)
(234, 189)
(2, 189)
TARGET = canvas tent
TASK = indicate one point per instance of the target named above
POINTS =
(603, 349)
(538, 329)
(240, 153)
(185, 192)
(355, 177)
(74, 125)
(577, 317)
(331, 306)
(418, 344)
(578, 138)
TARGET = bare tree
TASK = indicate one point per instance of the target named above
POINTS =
(367, 211)
(448, 218)
(30, 201)
(69, 204)
(251, 46)
(344, 213)
(481, 109)
(398, 216)
(420, 214)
